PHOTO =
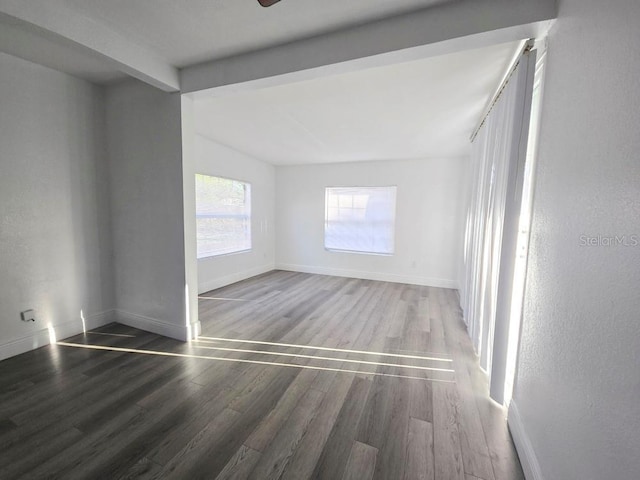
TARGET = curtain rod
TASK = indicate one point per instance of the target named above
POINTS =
(526, 47)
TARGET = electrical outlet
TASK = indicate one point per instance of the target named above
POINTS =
(28, 316)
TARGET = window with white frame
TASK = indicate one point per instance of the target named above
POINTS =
(360, 219)
(223, 216)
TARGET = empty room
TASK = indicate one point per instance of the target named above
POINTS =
(291, 239)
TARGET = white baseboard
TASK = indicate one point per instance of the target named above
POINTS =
(383, 277)
(36, 339)
(218, 282)
(40, 338)
(528, 459)
(92, 321)
(153, 325)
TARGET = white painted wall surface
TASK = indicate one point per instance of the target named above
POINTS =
(54, 209)
(189, 214)
(577, 390)
(217, 160)
(430, 213)
(145, 160)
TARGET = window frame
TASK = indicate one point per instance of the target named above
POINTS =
(248, 217)
(393, 224)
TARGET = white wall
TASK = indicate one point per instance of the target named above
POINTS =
(577, 408)
(429, 219)
(145, 160)
(218, 160)
(189, 214)
(54, 209)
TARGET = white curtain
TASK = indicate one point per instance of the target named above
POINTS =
(497, 163)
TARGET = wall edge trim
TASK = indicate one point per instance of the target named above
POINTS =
(40, 338)
(219, 282)
(153, 325)
(527, 454)
(367, 275)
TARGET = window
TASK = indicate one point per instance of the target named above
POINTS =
(360, 219)
(223, 216)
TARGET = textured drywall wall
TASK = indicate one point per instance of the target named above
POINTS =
(54, 209)
(145, 160)
(578, 382)
(214, 159)
(430, 213)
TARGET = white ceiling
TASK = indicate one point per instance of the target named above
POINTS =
(191, 45)
(185, 32)
(420, 109)
(423, 108)
(31, 43)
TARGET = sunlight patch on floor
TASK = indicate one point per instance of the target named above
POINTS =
(238, 360)
(331, 359)
(431, 357)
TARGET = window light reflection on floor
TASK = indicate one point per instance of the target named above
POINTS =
(238, 360)
(442, 358)
(331, 359)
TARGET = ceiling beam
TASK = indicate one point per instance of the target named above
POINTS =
(85, 34)
(437, 30)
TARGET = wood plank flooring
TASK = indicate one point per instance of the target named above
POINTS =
(295, 376)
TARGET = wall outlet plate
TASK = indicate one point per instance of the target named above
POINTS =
(28, 316)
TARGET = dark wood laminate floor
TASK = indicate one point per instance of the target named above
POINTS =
(295, 376)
